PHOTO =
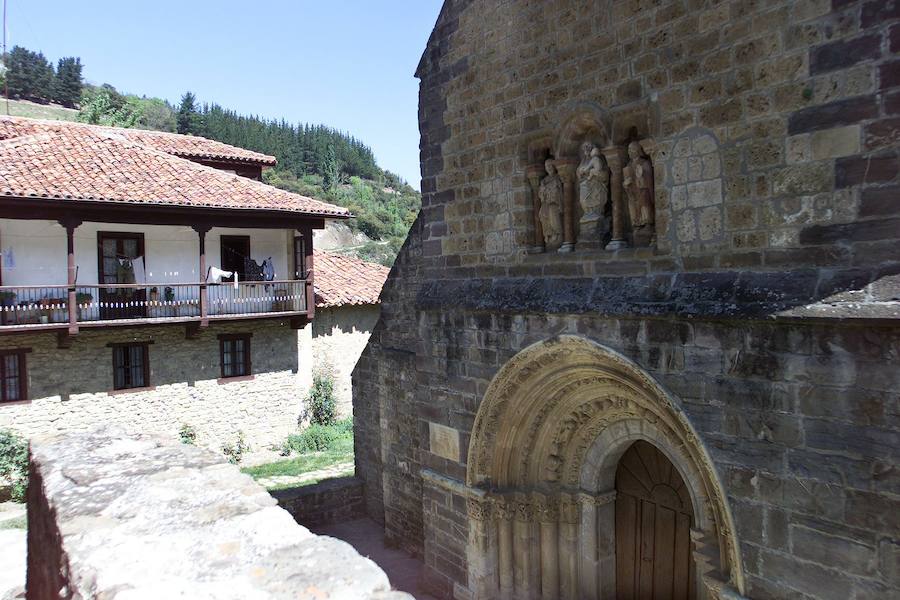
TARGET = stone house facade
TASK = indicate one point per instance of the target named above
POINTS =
(347, 309)
(650, 303)
(150, 280)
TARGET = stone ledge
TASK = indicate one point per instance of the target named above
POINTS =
(799, 294)
(113, 515)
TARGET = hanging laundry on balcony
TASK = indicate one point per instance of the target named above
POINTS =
(9, 259)
(253, 271)
(140, 272)
(268, 268)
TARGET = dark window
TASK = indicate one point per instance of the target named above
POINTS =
(300, 258)
(13, 376)
(235, 254)
(131, 366)
(235, 354)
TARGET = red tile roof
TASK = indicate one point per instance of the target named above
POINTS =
(185, 146)
(341, 280)
(100, 164)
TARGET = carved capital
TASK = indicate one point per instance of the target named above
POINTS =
(535, 173)
(546, 508)
(569, 508)
(524, 509)
(566, 168)
(504, 508)
(478, 508)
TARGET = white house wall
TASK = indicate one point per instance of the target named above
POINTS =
(39, 251)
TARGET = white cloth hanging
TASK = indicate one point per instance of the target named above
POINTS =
(140, 273)
(215, 275)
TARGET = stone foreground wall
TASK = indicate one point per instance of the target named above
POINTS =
(119, 516)
(71, 388)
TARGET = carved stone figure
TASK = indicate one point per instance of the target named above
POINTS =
(551, 195)
(638, 184)
(593, 194)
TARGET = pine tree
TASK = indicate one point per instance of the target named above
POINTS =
(330, 170)
(68, 83)
(189, 119)
(30, 76)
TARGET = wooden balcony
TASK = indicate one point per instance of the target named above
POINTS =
(64, 307)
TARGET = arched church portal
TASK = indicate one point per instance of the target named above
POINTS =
(588, 482)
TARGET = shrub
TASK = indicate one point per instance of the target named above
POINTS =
(14, 463)
(315, 438)
(188, 434)
(235, 452)
(321, 406)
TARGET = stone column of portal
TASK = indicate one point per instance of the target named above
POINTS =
(587, 548)
(547, 509)
(527, 577)
(482, 556)
(569, 513)
(606, 545)
(505, 510)
(566, 168)
(615, 159)
(535, 174)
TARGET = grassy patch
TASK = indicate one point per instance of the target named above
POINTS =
(340, 450)
(24, 108)
(17, 523)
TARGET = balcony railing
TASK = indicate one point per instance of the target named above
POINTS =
(48, 305)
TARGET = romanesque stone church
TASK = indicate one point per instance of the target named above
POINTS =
(644, 338)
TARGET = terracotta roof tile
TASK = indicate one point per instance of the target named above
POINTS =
(342, 280)
(186, 146)
(101, 164)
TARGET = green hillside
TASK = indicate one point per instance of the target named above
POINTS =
(313, 159)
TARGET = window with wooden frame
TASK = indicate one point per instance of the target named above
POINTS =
(131, 365)
(234, 352)
(13, 375)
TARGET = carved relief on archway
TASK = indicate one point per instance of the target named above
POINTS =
(547, 439)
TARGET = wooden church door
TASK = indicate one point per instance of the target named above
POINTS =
(653, 525)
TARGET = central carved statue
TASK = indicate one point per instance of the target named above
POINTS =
(593, 194)
(638, 184)
(551, 196)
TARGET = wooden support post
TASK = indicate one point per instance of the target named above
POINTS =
(70, 224)
(202, 230)
(306, 232)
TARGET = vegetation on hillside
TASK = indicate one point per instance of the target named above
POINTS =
(313, 160)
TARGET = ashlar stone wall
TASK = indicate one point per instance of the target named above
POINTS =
(112, 515)
(71, 389)
(767, 305)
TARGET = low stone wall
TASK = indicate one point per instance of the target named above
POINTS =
(330, 501)
(115, 516)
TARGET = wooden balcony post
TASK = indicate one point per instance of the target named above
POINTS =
(70, 223)
(202, 230)
(307, 234)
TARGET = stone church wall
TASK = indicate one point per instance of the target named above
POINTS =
(764, 299)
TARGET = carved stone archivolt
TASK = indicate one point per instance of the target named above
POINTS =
(592, 192)
(547, 440)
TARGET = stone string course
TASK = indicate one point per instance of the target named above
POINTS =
(120, 516)
(768, 308)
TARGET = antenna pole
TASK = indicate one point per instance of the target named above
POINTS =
(6, 77)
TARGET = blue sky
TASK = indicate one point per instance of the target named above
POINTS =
(347, 63)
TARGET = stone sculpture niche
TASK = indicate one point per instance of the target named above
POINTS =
(550, 194)
(593, 195)
(595, 192)
(638, 184)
